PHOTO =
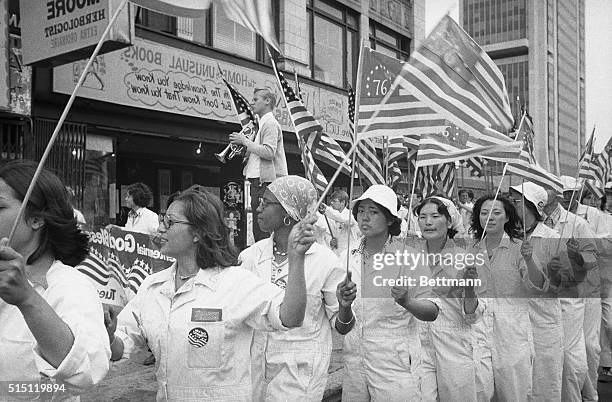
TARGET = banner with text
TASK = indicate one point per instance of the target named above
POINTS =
(154, 76)
(119, 261)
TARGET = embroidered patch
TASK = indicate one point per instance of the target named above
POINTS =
(198, 337)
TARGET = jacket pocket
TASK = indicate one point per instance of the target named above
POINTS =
(204, 344)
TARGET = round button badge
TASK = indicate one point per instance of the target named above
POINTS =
(198, 337)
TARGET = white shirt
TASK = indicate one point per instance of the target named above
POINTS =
(251, 169)
(145, 221)
(76, 302)
(339, 222)
(201, 334)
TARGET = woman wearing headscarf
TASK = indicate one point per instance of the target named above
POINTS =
(198, 316)
(382, 354)
(293, 365)
(52, 328)
(509, 277)
(457, 360)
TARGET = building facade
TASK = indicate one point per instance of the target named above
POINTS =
(539, 47)
(136, 118)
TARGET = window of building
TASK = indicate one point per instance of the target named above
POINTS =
(333, 29)
(212, 29)
(388, 42)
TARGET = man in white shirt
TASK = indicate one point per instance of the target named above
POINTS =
(265, 153)
(140, 218)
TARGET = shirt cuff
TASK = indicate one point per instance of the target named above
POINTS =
(273, 313)
(76, 362)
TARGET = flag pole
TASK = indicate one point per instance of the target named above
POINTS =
(416, 169)
(62, 118)
(523, 202)
(574, 190)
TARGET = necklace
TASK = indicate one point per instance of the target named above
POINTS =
(276, 251)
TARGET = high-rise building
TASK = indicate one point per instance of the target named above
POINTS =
(539, 48)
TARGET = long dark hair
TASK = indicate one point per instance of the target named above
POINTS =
(50, 202)
(512, 227)
(205, 212)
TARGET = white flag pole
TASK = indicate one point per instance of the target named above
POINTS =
(58, 127)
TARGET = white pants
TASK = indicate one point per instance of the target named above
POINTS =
(574, 350)
(592, 325)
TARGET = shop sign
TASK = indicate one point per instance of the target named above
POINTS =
(153, 76)
(60, 31)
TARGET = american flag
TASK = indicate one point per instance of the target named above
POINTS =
(94, 267)
(527, 165)
(400, 149)
(475, 166)
(453, 144)
(116, 269)
(453, 76)
(137, 274)
(587, 170)
(308, 129)
(402, 114)
(601, 166)
(441, 176)
(243, 107)
(367, 160)
(313, 173)
(596, 188)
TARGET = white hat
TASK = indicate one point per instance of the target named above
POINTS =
(609, 185)
(535, 194)
(381, 195)
(570, 183)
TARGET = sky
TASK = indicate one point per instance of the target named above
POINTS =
(598, 63)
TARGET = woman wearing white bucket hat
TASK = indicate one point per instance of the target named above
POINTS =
(382, 354)
(456, 361)
(545, 312)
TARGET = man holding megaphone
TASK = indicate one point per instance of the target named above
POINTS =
(265, 154)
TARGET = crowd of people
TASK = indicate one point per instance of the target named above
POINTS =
(257, 324)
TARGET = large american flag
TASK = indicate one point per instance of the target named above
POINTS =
(402, 114)
(527, 166)
(308, 129)
(443, 176)
(453, 76)
(367, 160)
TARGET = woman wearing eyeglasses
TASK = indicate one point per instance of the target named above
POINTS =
(382, 354)
(293, 365)
(198, 316)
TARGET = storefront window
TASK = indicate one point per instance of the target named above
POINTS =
(333, 29)
(99, 195)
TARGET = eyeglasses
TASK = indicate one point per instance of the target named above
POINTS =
(168, 223)
(264, 203)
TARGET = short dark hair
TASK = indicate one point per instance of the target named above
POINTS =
(141, 194)
(512, 227)
(396, 223)
(205, 212)
(60, 234)
(441, 209)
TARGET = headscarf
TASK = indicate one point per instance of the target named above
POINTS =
(453, 212)
(296, 194)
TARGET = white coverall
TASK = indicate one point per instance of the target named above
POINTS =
(293, 365)
(457, 360)
(573, 307)
(546, 322)
(200, 334)
(506, 284)
(382, 353)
